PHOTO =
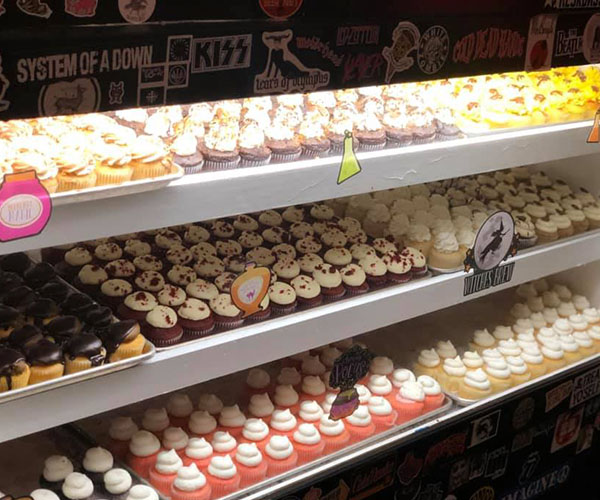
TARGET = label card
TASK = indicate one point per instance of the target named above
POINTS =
(250, 288)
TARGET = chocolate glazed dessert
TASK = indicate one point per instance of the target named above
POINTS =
(87, 349)
(14, 371)
(119, 333)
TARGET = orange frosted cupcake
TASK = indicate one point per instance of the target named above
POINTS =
(359, 424)
(223, 476)
(308, 443)
(334, 434)
(434, 398)
(280, 456)
(121, 431)
(179, 409)
(284, 423)
(164, 472)
(250, 463)
(190, 484)
(261, 407)
(383, 415)
(256, 431)
(198, 451)
(175, 438)
(313, 389)
(409, 402)
(223, 443)
(232, 420)
(143, 451)
(286, 397)
(202, 424)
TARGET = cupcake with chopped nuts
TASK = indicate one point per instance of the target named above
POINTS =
(370, 132)
(186, 153)
(313, 138)
(282, 141)
(220, 144)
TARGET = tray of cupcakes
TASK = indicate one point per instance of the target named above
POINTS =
(51, 335)
(550, 330)
(65, 463)
(237, 435)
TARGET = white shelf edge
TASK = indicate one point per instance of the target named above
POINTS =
(218, 194)
(253, 345)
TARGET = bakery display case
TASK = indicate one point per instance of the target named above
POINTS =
(271, 257)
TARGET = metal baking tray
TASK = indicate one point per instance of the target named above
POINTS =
(25, 459)
(467, 402)
(318, 468)
(73, 378)
(217, 331)
(110, 191)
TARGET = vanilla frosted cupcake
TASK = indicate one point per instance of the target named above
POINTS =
(475, 386)
(498, 373)
(554, 356)
(445, 349)
(502, 332)
(445, 253)
(472, 360)
(453, 372)
(482, 339)
(428, 363)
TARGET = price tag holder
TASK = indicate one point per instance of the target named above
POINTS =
(25, 206)
(249, 289)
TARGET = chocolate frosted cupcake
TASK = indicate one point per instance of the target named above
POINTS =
(186, 153)
(24, 337)
(83, 352)
(19, 297)
(9, 320)
(123, 340)
(8, 281)
(226, 314)
(77, 304)
(282, 141)
(370, 132)
(41, 311)
(58, 291)
(220, 145)
(14, 370)
(136, 306)
(330, 280)
(253, 150)
(39, 274)
(161, 327)
(15, 262)
(196, 318)
(62, 329)
(98, 319)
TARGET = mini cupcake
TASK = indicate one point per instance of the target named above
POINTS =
(90, 278)
(482, 339)
(77, 486)
(518, 370)
(250, 464)
(382, 414)
(198, 451)
(156, 420)
(83, 352)
(164, 472)
(434, 398)
(282, 298)
(143, 451)
(210, 403)
(226, 314)
(312, 365)
(280, 456)
(329, 280)
(445, 349)
(195, 317)
(285, 397)
(117, 483)
(498, 373)
(375, 270)
(283, 422)
(359, 424)
(329, 355)
(190, 484)
(202, 424)
(308, 290)
(453, 371)
(476, 385)
(175, 438)
(231, 419)
(472, 360)
(313, 389)
(428, 363)
(282, 141)
(161, 326)
(223, 444)
(223, 476)
(120, 432)
(96, 462)
(220, 145)
(585, 343)
(409, 402)
(56, 469)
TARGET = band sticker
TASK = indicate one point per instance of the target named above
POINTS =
(557, 395)
(567, 429)
(484, 428)
(405, 40)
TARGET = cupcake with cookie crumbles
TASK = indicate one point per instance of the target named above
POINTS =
(161, 327)
(149, 158)
(370, 132)
(330, 280)
(226, 314)
(220, 145)
(282, 141)
(251, 143)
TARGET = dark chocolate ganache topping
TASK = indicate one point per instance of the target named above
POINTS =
(7, 315)
(42, 309)
(77, 303)
(16, 262)
(55, 290)
(8, 281)
(20, 297)
(44, 353)
(87, 346)
(25, 336)
(39, 274)
(123, 331)
(61, 329)
(98, 317)
(11, 363)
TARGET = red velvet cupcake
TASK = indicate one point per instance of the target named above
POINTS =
(308, 291)
(354, 279)
(282, 298)
(195, 317)
(226, 314)
(398, 267)
(161, 327)
(136, 306)
(330, 280)
(417, 260)
(375, 269)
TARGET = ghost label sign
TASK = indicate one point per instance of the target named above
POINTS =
(495, 242)
(347, 370)
(250, 288)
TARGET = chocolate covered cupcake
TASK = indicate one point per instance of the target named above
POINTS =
(39, 274)
(62, 329)
(41, 311)
(16, 262)
(19, 297)
(98, 319)
(14, 370)
(83, 352)
(25, 336)
(46, 361)
(10, 319)
(58, 291)
(77, 304)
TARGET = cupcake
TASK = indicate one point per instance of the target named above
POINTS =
(161, 326)
(195, 317)
(142, 492)
(428, 363)
(232, 420)
(280, 455)
(359, 424)
(282, 141)
(518, 370)
(46, 360)
(255, 431)
(434, 398)
(198, 451)
(313, 139)
(375, 270)
(482, 339)
(96, 462)
(570, 348)
(156, 420)
(283, 422)
(285, 397)
(226, 314)
(382, 414)
(113, 164)
(77, 486)
(409, 402)
(83, 352)
(117, 483)
(261, 407)
(472, 360)
(310, 412)
(210, 403)
(308, 290)
(329, 280)
(223, 476)
(179, 409)
(202, 424)
(282, 298)
(380, 385)
(453, 371)
(312, 365)
(334, 434)
(190, 484)
(143, 452)
(250, 464)
(56, 469)
(258, 381)
(220, 144)
(370, 132)
(554, 356)
(186, 153)
(476, 385)
(308, 443)
(312, 389)
(164, 472)
(585, 343)
(252, 147)
(120, 432)
(175, 438)
(123, 340)
(289, 375)
(223, 444)
(498, 373)
(445, 349)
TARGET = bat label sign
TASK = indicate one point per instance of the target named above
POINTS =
(495, 242)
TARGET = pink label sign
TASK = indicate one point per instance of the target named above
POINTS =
(25, 206)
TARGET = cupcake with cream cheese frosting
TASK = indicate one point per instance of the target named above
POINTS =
(202, 424)
(231, 419)
(121, 431)
(285, 397)
(472, 360)
(382, 414)
(164, 472)
(334, 434)
(143, 451)
(375, 269)
(250, 464)
(175, 438)
(482, 339)
(190, 484)
(256, 431)
(260, 406)
(198, 451)
(308, 290)
(179, 409)
(409, 402)
(475, 386)
(223, 443)
(428, 363)
(498, 373)
(77, 486)
(330, 281)
(226, 314)
(434, 397)
(282, 298)
(453, 371)
(161, 327)
(116, 483)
